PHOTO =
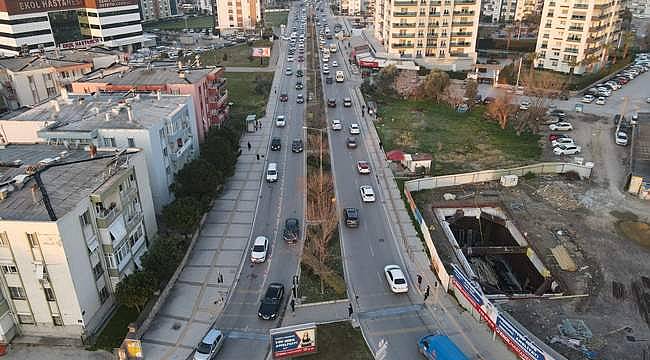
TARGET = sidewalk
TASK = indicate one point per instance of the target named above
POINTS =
(323, 312)
(31, 352)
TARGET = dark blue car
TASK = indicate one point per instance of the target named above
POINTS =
(440, 347)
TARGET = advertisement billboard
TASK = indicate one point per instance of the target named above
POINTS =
(80, 44)
(32, 6)
(293, 340)
(261, 52)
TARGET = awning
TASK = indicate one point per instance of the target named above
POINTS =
(395, 155)
(117, 229)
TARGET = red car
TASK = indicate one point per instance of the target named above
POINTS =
(552, 137)
(284, 97)
(363, 167)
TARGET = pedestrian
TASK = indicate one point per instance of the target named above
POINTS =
(381, 146)
(426, 293)
(255, 126)
(294, 291)
(435, 283)
(258, 156)
(221, 278)
(419, 276)
(293, 305)
(275, 91)
(249, 146)
(363, 108)
(350, 311)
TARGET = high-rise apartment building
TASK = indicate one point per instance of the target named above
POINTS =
(236, 15)
(640, 8)
(153, 10)
(509, 11)
(441, 33)
(578, 34)
(352, 7)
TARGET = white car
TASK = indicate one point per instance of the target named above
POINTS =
(367, 193)
(601, 101)
(325, 67)
(260, 248)
(525, 105)
(354, 129)
(363, 167)
(588, 99)
(396, 279)
(561, 126)
(562, 141)
(566, 149)
(336, 125)
(335, 64)
(621, 138)
(280, 121)
(290, 59)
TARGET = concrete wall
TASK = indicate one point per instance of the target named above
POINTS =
(21, 132)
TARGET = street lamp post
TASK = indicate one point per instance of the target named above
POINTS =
(321, 131)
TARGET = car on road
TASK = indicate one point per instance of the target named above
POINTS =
(276, 144)
(297, 145)
(291, 230)
(335, 64)
(618, 118)
(209, 346)
(561, 126)
(601, 101)
(396, 279)
(331, 103)
(525, 105)
(300, 73)
(290, 58)
(647, 100)
(300, 98)
(557, 112)
(621, 138)
(280, 121)
(259, 250)
(299, 86)
(351, 142)
(367, 193)
(347, 102)
(284, 97)
(336, 125)
(272, 172)
(329, 80)
(288, 72)
(562, 141)
(270, 306)
(363, 167)
(351, 216)
(569, 149)
(354, 129)
(439, 347)
(588, 99)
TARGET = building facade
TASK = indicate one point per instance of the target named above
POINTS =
(352, 7)
(206, 86)
(153, 10)
(441, 33)
(640, 8)
(67, 241)
(578, 34)
(237, 15)
(32, 25)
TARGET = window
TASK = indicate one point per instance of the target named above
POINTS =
(110, 261)
(56, 319)
(122, 252)
(9, 269)
(17, 293)
(109, 142)
(4, 240)
(98, 270)
(85, 219)
(131, 142)
(103, 295)
(33, 240)
(25, 319)
(49, 294)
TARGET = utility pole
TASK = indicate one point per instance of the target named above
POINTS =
(521, 59)
(623, 109)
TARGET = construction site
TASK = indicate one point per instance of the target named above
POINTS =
(563, 256)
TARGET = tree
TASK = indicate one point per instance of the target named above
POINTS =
(628, 42)
(471, 90)
(220, 149)
(541, 90)
(433, 86)
(501, 109)
(646, 38)
(263, 86)
(182, 215)
(530, 58)
(135, 290)
(162, 258)
(384, 81)
(198, 179)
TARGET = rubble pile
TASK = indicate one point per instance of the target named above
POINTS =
(558, 195)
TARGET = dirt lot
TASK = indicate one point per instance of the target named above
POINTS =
(589, 217)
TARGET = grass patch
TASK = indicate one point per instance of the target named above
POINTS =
(339, 341)
(310, 286)
(198, 22)
(459, 142)
(275, 18)
(241, 91)
(115, 330)
(238, 55)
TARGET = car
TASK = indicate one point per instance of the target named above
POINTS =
(601, 101)
(300, 73)
(329, 80)
(347, 102)
(647, 100)
(210, 345)
(291, 230)
(300, 98)
(354, 129)
(351, 142)
(363, 167)
(297, 145)
(288, 72)
(618, 118)
(325, 67)
(284, 97)
(561, 126)
(552, 137)
(290, 58)
(259, 250)
(299, 86)
(351, 216)
(621, 138)
(525, 105)
(326, 71)
(562, 141)
(566, 149)
(557, 112)
(280, 121)
(367, 193)
(335, 64)
(439, 347)
(396, 279)
(488, 100)
(301, 58)
(331, 103)
(552, 120)
(271, 302)
(635, 118)
(588, 99)
(336, 125)
(604, 92)
(276, 144)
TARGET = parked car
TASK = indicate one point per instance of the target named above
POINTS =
(367, 193)
(439, 347)
(351, 216)
(621, 138)
(566, 149)
(297, 145)
(525, 105)
(259, 250)
(396, 279)
(354, 129)
(291, 230)
(601, 101)
(336, 125)
(588, 99)
(618, 118)
(561, 126)
(270, 306)
(347, 102)
(363, 167)
(562, 141)
(210, 345)
(557, 112)
(552, 137)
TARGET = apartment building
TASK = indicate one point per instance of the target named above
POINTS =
(578, 34)
(153, 10)
(207, 87)
(35, 25)
(162, 126)
(73, 223)
(441, 34)
(509, 11)
(236, 15)
(205, 6)
(352, 7)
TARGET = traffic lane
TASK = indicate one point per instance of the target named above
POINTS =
(399, 333)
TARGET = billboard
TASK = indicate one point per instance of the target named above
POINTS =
(261, 52)
(33, 6)
(293, 340)
(79, 44)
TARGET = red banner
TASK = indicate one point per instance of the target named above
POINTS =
(34, 6)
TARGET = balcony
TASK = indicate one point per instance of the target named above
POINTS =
(405, 14)
(105, 217)
(575, 28)
(403, 25)
(462, 23)
(464, 13)
(403, 46)
(574, 40)
(460, 44)
(434, 14)
(403, 36)
(597, 28)
(601, 17)
(435, 3)
(458, 54)
(460, 33)
(432, 36)
(581, 6)
(571, 50)
(405, 3)
(464, 2)
(432, 45)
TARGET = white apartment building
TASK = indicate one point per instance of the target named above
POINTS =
(509, 11)
(68, 239)
(578, 32)
(237, 15)
(205, 6)
(162, 126)
(441, 33)
(352, 7)
(640, 8)
(153, 10)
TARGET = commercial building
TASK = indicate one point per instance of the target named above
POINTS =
(153, 10)
(578, 34)
(441, 34)
(206, 86)
(73, 223)
(30, 25)
(162, 126)
(236, 15)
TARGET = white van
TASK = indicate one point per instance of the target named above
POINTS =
(272, 172)
(340, 77)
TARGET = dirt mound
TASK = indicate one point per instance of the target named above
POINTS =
(636, 231)
(559, 195)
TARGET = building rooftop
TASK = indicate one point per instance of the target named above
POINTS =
(55, 59)
(84, 113)
(66, 185)
(151, 76)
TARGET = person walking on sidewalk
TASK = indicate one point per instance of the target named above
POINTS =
(350, 310)
(249, 146)
(419, 282)
(293, 305)
(426, 293)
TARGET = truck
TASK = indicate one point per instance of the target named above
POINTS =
(439, 347)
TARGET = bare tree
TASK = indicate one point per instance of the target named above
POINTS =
(541, 89)
(433, 86)
(471, 90)
(501, 109)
